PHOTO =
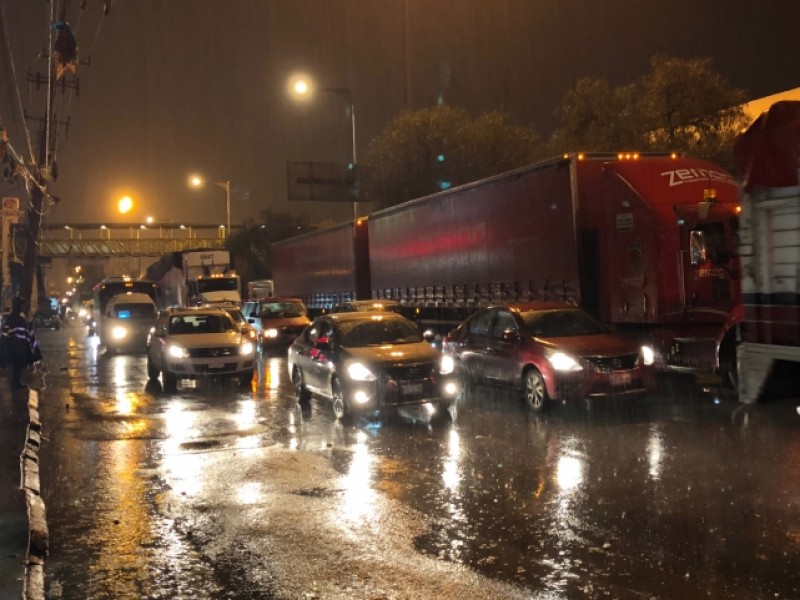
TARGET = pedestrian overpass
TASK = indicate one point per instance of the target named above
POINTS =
(126, 240)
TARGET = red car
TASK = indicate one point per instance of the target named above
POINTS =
(551, 351)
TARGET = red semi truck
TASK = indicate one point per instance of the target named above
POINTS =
(768, 156)
(644, 242)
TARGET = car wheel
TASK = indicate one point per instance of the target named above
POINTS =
(300, 389)
(170, 381)
(534, 390)
(340, 408)
(244, 379)
(152, 371)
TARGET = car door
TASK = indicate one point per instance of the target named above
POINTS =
(473, 346)
(312, 358)
(504, 348)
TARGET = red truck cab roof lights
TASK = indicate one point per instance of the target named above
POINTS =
(623, 155)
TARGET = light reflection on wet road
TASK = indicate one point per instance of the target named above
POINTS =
(218, 492)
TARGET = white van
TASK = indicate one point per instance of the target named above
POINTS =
(127, 322)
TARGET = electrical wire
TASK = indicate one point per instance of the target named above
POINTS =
(16, 83)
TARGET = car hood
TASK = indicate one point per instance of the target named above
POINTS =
(395, 353)
(204, 340)
(605, 344)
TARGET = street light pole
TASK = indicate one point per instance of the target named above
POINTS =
(226, 185)
(302, 87)
(353, 126)
(345, 93)
(197, 181)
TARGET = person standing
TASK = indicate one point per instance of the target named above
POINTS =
(19, 342)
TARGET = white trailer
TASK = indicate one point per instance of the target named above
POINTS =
(768, 154)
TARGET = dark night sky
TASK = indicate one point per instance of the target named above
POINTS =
(177, 86)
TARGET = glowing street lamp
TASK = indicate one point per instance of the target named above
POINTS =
(125, 205)
(196, 181)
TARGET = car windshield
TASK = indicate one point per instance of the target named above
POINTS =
(135, 311)
(283, 310)
(235, 314)
(188, 324)
(379, 331)
(561, 323)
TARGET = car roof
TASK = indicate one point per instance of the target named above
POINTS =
(186, 310)
(276, 299)
(371, 302)
(364, 316)
(533, 306)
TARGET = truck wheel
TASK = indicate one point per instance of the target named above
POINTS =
(340, 409)
(300, 389)
(170, 381)
(533, 390)
(152, 371)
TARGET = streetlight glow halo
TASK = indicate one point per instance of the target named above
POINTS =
(301, 86)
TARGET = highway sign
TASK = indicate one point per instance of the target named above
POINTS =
(328, 182)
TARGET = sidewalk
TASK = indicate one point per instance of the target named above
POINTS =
(23, 529)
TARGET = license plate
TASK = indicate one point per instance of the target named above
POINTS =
(620, 378)
(411, 389)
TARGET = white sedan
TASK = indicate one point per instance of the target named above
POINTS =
(190, 343)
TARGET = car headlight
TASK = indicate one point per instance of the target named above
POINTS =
(447, 365)
(358, 372)
(119, 332)
(648, 356)
(271, 333)
(246, 348)
(564, 362)
(176, 351)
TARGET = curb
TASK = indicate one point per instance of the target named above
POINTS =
(38, 535)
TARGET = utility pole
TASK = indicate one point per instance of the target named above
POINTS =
(43, 171)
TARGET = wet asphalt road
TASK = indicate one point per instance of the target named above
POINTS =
(221, 492)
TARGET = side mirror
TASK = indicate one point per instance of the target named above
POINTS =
(510, 336)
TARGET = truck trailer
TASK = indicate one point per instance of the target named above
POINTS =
(768, 156)
(195, 277)
(643, 242)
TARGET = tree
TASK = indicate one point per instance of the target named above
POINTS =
(425, 151)
(595, 117)
(682, 104)
(251, 246)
